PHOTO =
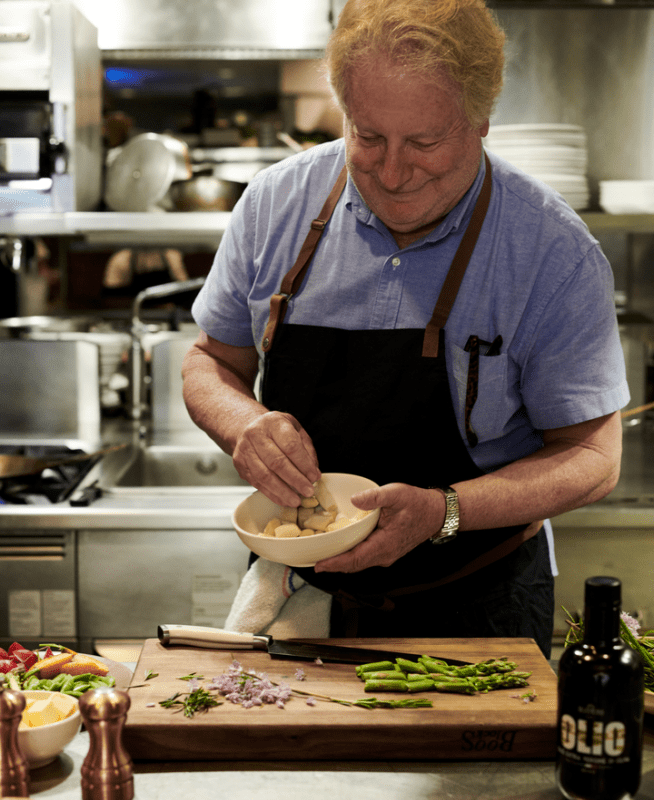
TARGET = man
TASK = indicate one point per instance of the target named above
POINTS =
(453, 327)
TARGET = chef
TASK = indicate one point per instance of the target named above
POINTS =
(425, 315)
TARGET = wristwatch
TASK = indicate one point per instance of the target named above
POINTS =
(451, 524)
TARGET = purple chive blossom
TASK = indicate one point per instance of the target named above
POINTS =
(631, 623)
(311, 701)
(300, 675)
(319, 662)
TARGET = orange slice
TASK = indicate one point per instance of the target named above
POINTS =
(50, 667)
(81, 664)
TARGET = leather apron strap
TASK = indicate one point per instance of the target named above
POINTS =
(457, 270)
(293, 279)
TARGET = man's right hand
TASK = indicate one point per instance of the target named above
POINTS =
(270, 449)
(275, 454)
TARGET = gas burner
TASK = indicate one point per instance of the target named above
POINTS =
(52, 485)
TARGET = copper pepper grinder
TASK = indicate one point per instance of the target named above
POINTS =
(107, 769)
(14, 771)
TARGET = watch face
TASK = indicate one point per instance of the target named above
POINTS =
(447, 537)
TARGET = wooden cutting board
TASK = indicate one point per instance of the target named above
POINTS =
(496, 725)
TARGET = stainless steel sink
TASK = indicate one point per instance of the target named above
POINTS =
(176, 466)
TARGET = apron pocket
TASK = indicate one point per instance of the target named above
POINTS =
(489, 414)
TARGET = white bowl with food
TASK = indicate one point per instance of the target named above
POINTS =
(50, 721)
(324, 526)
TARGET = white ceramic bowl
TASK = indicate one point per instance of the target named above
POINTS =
(627, 197)
(43, 744)
(257, 510)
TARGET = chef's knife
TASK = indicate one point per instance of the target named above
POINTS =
(218, 639)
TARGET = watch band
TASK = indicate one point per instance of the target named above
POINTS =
(451, 523)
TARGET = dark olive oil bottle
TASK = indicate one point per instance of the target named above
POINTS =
(600, 704)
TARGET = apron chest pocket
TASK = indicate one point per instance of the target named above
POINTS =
(486, 419)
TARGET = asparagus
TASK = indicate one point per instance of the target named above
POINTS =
(431, 674)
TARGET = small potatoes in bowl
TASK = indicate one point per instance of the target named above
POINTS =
(50, 721)
(274, 533)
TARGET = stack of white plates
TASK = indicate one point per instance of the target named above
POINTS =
(554, 153)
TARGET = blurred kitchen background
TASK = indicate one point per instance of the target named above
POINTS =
(129, 129)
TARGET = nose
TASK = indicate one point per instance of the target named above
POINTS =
(393, 170)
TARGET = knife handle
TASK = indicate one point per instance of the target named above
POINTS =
(213, 638)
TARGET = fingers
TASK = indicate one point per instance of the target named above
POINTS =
(276, 455)
(409, 515)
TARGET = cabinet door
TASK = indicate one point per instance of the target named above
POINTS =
(210, 24)
(132, 581)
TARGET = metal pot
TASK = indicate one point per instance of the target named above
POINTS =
(205, 192)
(21, 327)
(141, 172)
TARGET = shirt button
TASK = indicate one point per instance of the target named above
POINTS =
(396, 262)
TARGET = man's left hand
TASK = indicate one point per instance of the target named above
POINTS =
(409, 516)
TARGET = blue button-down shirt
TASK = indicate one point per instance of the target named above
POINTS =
(537, 278)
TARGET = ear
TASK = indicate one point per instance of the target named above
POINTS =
(483, 129)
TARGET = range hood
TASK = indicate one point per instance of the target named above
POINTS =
(203, 29)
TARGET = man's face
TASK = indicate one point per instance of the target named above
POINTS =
(409, 146)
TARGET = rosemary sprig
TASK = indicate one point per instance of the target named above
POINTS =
(643, 645)
(197, 700)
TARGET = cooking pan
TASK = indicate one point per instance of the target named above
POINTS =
(205, 191)
(140, 173)
(16, 466)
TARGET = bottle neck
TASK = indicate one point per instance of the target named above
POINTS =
(601, 625)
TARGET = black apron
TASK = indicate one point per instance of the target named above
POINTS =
(377, 403)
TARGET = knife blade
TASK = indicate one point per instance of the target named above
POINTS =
(218, 639)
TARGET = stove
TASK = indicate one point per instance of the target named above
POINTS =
(53, 484)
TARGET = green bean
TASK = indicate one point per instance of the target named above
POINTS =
(58, 682)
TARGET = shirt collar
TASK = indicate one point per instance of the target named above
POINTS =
(457, 217)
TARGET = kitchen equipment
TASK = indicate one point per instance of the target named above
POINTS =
(12, 466)
(627, 197)
(554, 153)
(50, 108)
(140, 173)
(22, 327)
(488, 727)
(56, 399)
(205, 192)
(65, 468)
(254, 513)
(218, 639)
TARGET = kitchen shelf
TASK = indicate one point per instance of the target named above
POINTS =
(110, 227)
(113, 227)
(601, 222)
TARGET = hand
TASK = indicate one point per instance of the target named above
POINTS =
(409, 516)
(275, 454)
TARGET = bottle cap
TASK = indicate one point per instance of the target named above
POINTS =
(603, 590)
